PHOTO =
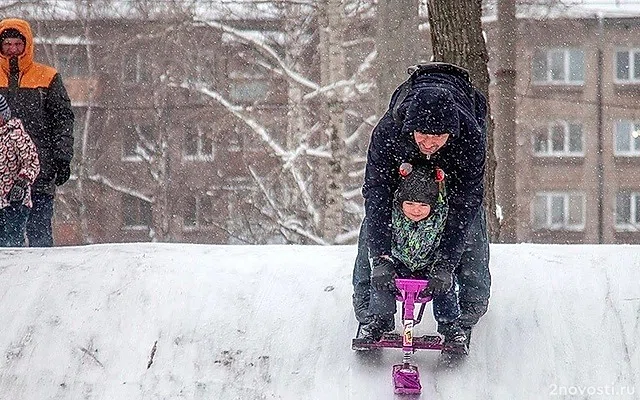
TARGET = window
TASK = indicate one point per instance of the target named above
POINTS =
(628, 66)
(559, 138)
(136, 212)
(136, 67)
(137, 143)
(198, 144)
(198, 212)
(628, 211)
(559, 211)
(72, 60)
(248, 82)
(249, 91)
(558, 66)
(627, 137)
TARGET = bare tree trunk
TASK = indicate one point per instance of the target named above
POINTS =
(84, 156)
(332, 71)
(397, 44)
(296, 128)
(162, 164)
(456, 37)
(506, 120)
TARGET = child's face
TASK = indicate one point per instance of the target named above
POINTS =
(416, 211)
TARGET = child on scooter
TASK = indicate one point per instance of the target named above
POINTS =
(419, 214)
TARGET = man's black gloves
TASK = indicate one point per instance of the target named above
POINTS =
(18, 191)
(383, 274)
(440, 281)
(63, 172)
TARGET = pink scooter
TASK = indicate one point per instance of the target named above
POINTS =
(406, 378)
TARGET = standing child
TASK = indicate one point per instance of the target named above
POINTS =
(419, 215)
(19, 167)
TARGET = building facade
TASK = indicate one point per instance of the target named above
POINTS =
(578, 107)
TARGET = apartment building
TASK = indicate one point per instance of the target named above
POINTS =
(578, 130)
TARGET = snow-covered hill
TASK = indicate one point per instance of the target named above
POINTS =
(160, 321)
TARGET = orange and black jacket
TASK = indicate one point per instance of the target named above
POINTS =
(37, 96)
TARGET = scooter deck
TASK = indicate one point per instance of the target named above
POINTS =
(394, 341)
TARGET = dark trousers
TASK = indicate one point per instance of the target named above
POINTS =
(39, 232)
(472, 275)
(13, 220)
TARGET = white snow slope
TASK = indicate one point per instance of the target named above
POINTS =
(163, 321)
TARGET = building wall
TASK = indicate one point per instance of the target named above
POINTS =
(545, 103)
(623, 101)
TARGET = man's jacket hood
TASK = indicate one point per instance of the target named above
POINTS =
(26, 58)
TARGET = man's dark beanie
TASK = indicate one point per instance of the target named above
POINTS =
(419, 186)
(432, 111)
(12, 33)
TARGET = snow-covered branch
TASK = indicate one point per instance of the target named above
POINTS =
(367, 124)
(311, 209)
(328, 89)
(118, 188)
(350, 194)
(353, 82)
(265, 192)
(264, 48)
(347, 237)
(237, 112)
(307, 234)
(281, 221)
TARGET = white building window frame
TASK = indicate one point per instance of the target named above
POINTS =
(137, 213)
(633, 224)
(205, 147)
(72, 60)
(633, 139)
(633, 75)
(548, 71)
(202, 202)
(566, 151)
(140, 68)
(548, 198)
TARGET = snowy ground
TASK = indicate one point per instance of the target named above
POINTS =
(275, 322)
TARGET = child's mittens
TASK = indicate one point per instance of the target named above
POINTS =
(18, 191)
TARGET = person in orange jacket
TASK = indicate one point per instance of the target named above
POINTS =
(37, 96)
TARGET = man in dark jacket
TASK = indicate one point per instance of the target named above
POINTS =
(442, 118)
(37, 96)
